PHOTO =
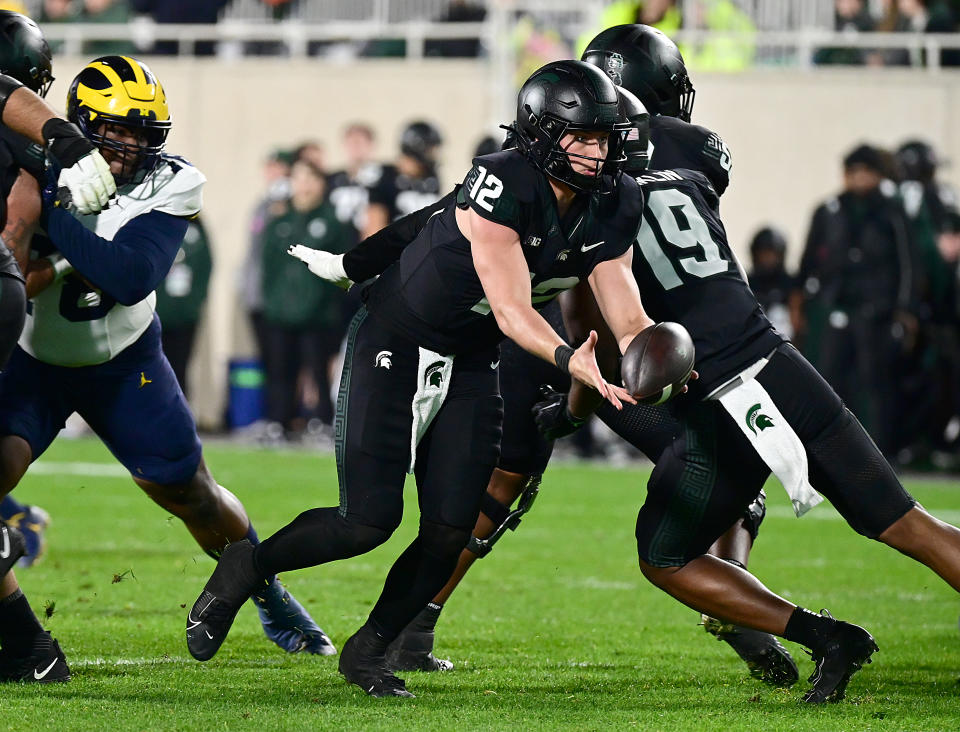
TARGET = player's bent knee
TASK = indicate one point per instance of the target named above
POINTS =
(441, 540)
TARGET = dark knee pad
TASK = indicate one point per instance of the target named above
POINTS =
(493, 509)
(441, 540)
(847, 467)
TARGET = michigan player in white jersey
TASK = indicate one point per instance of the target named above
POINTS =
(91, 345)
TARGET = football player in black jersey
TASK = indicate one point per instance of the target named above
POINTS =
(29, 124)
(411, 183)
(419, 391)
(650, 63)
(758, 407)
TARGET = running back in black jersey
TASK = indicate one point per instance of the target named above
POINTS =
(401, 195)
(433, 294)
(687, 273)
(678, 144)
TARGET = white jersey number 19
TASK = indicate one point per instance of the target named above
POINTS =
(683, 227)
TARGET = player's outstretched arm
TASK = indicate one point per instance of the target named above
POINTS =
(374, 254)
(83, 171)
(617, 296)
(498, 260)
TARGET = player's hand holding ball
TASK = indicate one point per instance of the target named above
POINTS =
(658, 363)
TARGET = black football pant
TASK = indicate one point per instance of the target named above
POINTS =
(454, 460)
(710, 472)
(13, 312)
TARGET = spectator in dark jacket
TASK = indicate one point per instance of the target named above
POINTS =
(301, 313)
(857, 274)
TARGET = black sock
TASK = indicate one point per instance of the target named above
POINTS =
(807, 628)
(18, 625)
(255, 540)
(417, 575)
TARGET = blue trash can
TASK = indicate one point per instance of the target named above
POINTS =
(246, 399)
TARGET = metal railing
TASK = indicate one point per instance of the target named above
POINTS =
(786, 48)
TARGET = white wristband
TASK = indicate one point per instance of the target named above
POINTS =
(61, 266)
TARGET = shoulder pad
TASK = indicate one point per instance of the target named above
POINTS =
(178, 186)
(693, 147)
(500, 186)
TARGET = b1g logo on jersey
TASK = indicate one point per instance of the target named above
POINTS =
(484, 188)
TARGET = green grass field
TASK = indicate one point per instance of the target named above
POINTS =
(557, 629)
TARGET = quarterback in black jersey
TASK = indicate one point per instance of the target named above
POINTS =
(652, 65)
(419, 391)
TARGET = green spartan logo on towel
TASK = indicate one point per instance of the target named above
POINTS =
(757, 420)
(433, 376)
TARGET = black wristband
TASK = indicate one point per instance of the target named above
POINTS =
(571, 417)
(67, 143)
(8, 85)
(561, 357)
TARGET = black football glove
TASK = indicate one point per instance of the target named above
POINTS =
(552, 414)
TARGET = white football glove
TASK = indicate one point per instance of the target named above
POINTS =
(90, 183)
(324, 265)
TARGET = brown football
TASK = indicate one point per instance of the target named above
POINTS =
(658, 362)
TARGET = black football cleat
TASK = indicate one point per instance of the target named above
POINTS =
(231, 584)
(764, 655)
(44, 665)
(412, 650)
(839, 657)
(362, 664)
(12, 547)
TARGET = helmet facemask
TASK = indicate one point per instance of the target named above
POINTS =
(138, 158)
(541, 140)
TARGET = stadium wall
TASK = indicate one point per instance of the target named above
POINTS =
(787, 131)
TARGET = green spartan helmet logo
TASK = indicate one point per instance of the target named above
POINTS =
(433, 376)
(756, 420)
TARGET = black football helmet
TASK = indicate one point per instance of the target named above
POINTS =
(636, 146)
(649, 64)
(24, 53)
(917, 160)
(121, 91)
(562, 97)
(420, 141)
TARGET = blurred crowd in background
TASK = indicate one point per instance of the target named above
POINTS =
(874, 303)
(537, 33)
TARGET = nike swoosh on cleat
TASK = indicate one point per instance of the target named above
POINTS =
(208, 634)
(39, 676)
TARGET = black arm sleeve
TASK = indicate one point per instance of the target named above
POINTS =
(375, 253)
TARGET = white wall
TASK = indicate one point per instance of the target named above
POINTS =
(787, 131)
